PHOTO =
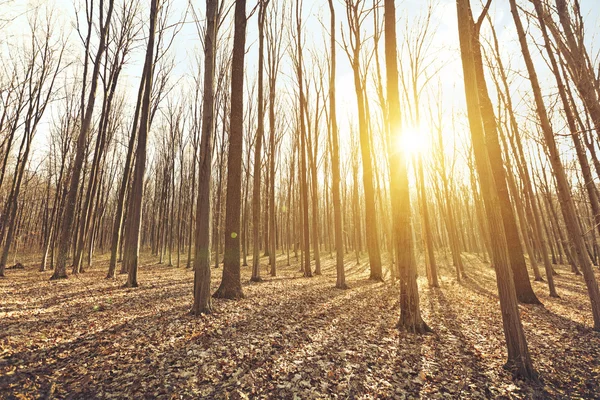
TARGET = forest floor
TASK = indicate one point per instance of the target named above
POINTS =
(291, 337)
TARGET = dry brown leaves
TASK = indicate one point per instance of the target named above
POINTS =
(291, 337)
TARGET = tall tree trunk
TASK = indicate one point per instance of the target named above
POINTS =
(371, 225)
(274, 59)
(60, 272)
(231, 286)
(134, 218)
(303, 167)
(518, 353)
(522, 284)
(562, 184)
(410, 314)
(256, 185)
(202, 299)
(340, 282)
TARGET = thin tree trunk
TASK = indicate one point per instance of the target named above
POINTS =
(60, 271)
(256, 185)
(340, 282)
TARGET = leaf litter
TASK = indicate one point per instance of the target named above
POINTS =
(291, 337)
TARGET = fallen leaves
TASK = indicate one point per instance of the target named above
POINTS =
(291, 337)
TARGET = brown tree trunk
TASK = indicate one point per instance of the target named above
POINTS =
(353, 11)
(117, 232)
(518, 354)
(564, 191)
(340, 282)
(303, 167)
(256, 185)
(522, 284)
(410, 314)
(134, 218)
(231, 286)
(60, 271)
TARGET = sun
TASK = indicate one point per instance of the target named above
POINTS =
(411, 141)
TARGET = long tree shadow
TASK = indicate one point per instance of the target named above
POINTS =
(565, 370)
(306, 330)
(89, 302)
(38, 365)
(566, 284)
(468, 363)
(473, 285)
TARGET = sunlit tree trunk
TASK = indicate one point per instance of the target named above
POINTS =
(354, 10)
(303, 156)
(340, 282)
(274, 56)
(518, 266)
(518, 354)
(256, 185)
(410, 314)
(562, 184)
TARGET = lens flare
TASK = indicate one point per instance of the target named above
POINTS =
(411, 141)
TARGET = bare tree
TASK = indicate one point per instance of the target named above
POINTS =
(562, 184)
(135, 208)
(80, 149)
(356, 14)
(518, 352)
(202, 299)
(410, 315)
(256, 203)
(231, 286)
(43, 64)
(335, 160)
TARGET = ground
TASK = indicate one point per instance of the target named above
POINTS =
(291, 337)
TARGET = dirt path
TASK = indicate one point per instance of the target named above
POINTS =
(86, 337)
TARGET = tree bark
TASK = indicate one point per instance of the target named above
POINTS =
(202, 298)
(562, 184)
(60, 272)
(340, 282)
(518, 354)
(231, 286)
(256, 185)
(410, 314)
(134, 218)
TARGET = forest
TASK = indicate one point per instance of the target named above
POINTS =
(299, 199)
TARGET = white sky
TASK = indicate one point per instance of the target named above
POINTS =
(444, 50)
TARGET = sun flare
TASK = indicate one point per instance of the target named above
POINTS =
(411, 141)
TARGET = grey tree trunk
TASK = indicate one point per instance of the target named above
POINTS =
(202, 299)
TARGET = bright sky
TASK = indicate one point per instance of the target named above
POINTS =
(444, 47)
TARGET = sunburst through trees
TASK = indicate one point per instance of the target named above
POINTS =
(414, 146)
